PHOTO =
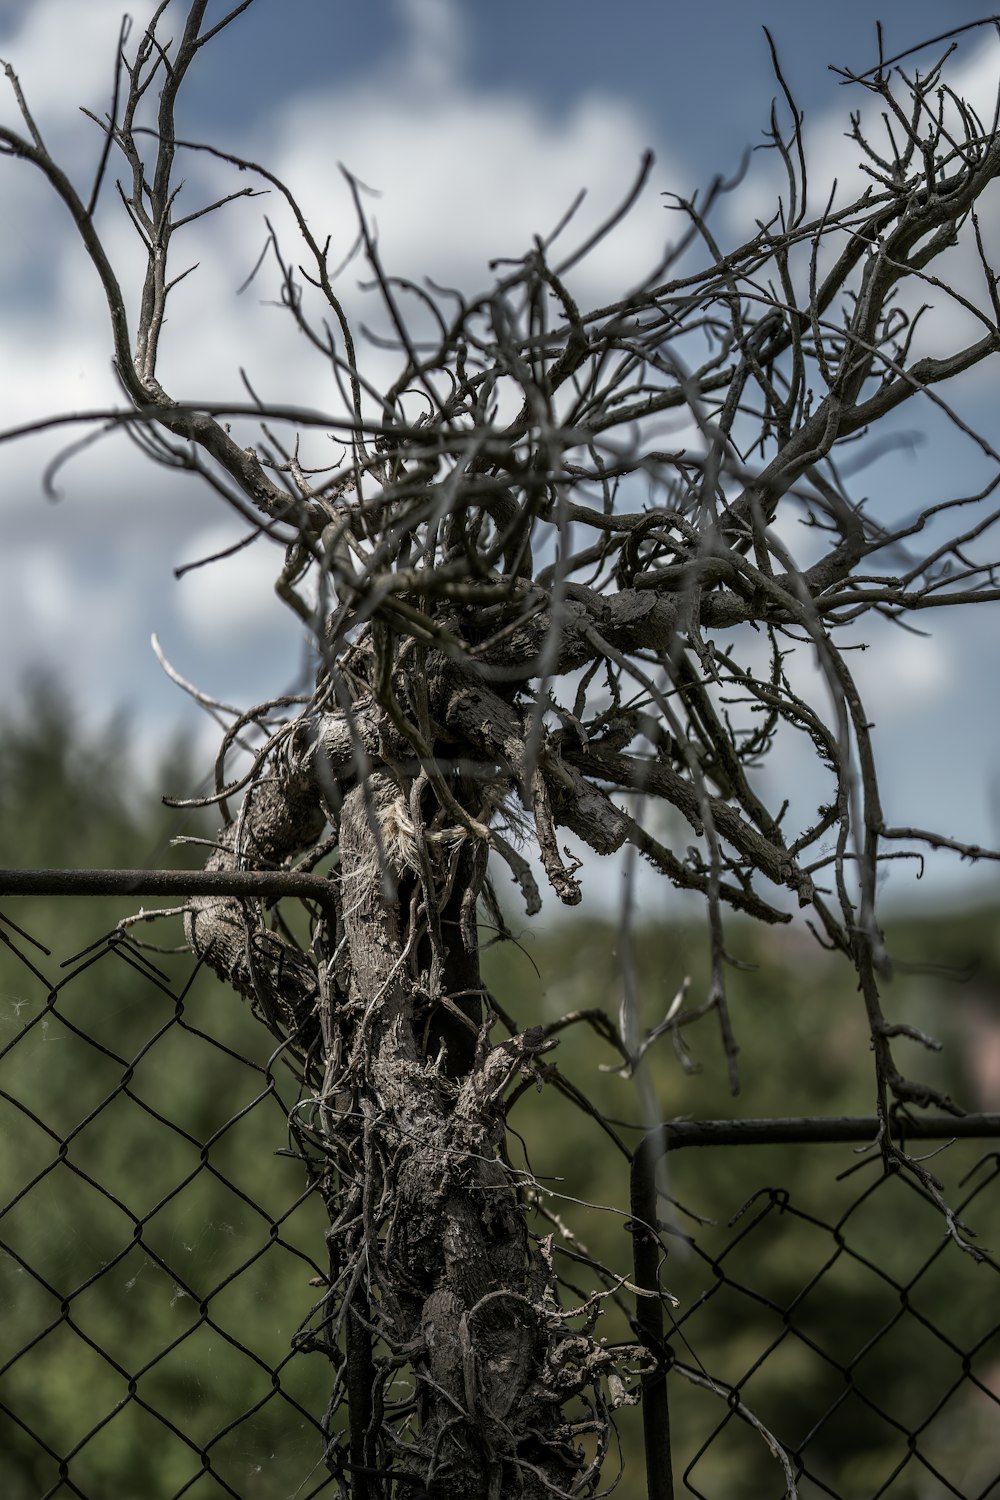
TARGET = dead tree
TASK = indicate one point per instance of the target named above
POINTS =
(533, 612)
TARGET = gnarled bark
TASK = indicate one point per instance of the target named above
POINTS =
(436, 1269)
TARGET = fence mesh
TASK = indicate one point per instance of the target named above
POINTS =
(157, 1257)
(851, 1350)
(162, 1275)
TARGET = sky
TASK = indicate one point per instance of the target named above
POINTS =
(477, 125)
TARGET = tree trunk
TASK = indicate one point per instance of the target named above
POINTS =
(437, 1282)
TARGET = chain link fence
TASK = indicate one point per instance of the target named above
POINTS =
(163, 1280)
(159, 1235)
(839, 1342)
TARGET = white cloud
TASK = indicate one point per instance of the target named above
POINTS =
(64, 55)
(899, 675)
(44, 588)
(904, 677)
(467, 175)
(231, 600)
(464, 175)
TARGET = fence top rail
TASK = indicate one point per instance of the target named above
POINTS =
(812, 1129)
(163, 883)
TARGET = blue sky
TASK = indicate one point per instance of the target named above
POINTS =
(478, 123)
(699, 72)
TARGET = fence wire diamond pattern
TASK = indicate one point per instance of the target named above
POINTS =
(157, 1268)
(162, 1277)
(836, 1335)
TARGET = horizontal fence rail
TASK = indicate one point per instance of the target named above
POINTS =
(262, 883)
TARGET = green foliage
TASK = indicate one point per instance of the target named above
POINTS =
(156, 1253)
(859, 1259)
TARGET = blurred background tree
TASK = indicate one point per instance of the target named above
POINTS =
(174, 1110)
(147, 1225)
